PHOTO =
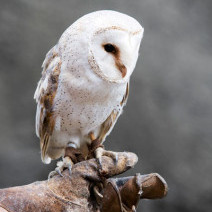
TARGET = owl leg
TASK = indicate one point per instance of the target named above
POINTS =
(100, 151)
(72, 156)
(96, 149)
(65, 163)
(61, 166)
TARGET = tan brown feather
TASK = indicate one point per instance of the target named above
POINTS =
(46, 99)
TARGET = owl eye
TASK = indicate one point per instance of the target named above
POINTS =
(109, 48)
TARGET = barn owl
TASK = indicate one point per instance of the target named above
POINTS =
(85, 83)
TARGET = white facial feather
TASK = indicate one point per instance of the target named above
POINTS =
(85, 81)
(99, 28)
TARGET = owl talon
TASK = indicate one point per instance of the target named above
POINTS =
(101, 152)
(52, 174)
(99, 161)
(69, 169)
(97, 193)
(61, 166)
(58, 171)
(116, 158)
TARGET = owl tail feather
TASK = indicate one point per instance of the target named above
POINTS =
(44, 145)
(46, 160)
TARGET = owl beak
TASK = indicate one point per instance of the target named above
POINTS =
(121, 67)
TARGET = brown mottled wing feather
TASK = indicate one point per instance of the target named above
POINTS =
(44, 95)
(109, 123)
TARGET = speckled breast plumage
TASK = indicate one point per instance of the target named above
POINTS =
(82, 107)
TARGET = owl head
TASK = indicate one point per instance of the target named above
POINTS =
(112, 42)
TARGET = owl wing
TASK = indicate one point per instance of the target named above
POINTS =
(44, 96)
(109, 123)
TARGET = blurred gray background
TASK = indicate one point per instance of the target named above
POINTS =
(168, 118)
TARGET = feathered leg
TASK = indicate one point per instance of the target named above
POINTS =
(96, 149)
(72, 156)
(100, 151)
